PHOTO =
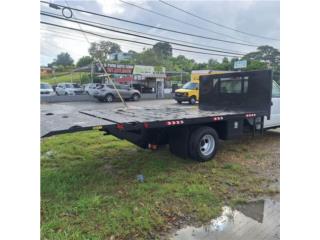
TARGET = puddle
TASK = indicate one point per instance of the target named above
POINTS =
(251, 221)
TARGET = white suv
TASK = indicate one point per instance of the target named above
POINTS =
(69, 89)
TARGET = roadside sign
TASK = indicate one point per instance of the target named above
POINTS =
(240, 64)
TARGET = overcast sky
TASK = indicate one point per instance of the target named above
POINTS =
(257, 17)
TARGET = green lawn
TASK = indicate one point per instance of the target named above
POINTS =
(89, 188)
(66, 77)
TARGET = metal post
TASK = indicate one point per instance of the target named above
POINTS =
(261, 125)
(254, 127)
(91, 72)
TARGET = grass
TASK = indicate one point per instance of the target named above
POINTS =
(89, 188)
(76, 77)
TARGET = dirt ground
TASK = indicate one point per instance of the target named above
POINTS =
(260, 153)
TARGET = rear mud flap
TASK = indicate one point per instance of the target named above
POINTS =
(179, 141)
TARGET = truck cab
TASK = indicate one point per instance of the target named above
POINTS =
(274, 120)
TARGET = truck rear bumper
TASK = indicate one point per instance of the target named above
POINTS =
(181, 98)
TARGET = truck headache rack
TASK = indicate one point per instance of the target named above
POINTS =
(245, 91)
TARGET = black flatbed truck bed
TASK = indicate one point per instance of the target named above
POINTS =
(180, 126)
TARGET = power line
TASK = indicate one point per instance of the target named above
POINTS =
(86, 21)
(132, 41)
(153, 35)
(215, 23)
(67, 35)
(183, 22)
(150, 26)
(85, 36)
(131, 34)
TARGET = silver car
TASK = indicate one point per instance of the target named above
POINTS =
(107, 93)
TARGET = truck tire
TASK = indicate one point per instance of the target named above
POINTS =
(192, 100)
(203, 144)
(179, 102)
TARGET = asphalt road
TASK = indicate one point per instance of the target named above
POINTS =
(88, 98)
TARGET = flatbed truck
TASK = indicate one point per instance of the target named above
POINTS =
(230, 105)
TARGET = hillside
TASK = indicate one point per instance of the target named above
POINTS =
(66, 77)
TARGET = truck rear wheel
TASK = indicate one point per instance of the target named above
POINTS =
(203, 144)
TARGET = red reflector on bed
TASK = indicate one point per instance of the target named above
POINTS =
(250, 115)
(217, 118)
(173, 123)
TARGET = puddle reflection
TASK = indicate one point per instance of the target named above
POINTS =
(251, 221)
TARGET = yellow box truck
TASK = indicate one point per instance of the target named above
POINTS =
(190, 91)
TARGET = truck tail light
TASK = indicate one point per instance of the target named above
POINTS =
(217, 118)
(152, 146)
(173, 123)
(146, 125)
(120, 126)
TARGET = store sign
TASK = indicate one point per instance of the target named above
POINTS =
(124, 79)
(140, 69)
(240, 64)
(119, 68)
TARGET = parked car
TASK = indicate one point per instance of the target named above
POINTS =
(69, 89)
(90, 88)
(107, 93)
(46, 89)
(142, 88)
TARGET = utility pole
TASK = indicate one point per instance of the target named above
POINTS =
(92, 72)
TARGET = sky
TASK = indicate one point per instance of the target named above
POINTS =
(252, 16)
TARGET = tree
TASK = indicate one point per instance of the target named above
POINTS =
(268, 55)
(163, 49)
(181, 63)
(213, 64)
(100, 50)
(256, 65)
(63, 59)
(84, 61)
(148, 57)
